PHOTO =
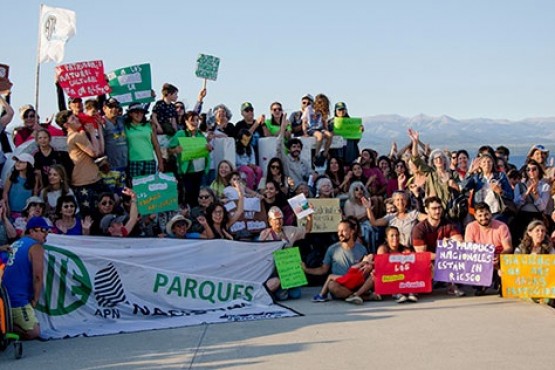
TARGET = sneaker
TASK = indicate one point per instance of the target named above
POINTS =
(413, 298)
(480, 291)
(355, 299)
(320, 298)
(453, 290)
(400, 298)
(374, 297)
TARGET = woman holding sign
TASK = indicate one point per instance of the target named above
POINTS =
(190, 166)
(142, 143)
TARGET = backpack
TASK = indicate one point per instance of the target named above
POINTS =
(457, 207)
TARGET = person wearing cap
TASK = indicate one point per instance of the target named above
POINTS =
(115, 143)
(350, 149)
(85, 179)
(255, 126)
(540, 153)
(113, 225)
(30, 124)
(34, 207)
(21, 184)
(23, 277)
(178, 226)
(295, 118)
(142, 143)
(190, 171)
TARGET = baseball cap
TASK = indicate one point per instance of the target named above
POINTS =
(35, 222)
(108, 220)
(308, 96)
(112, 103)
(246, 105)
(340, 106)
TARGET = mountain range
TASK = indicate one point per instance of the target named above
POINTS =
(447, 132)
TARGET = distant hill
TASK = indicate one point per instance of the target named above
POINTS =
(447, 132)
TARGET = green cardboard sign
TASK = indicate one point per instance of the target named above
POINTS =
(348, 128)
(131, 84)
(207, 67)
(192, 148)
(274, 129)
(156, 193)
(288, 264)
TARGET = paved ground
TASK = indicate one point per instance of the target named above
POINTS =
(438, 332)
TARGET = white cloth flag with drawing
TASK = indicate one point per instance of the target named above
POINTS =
(57, 25)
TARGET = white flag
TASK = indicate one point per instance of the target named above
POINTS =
(57, 25)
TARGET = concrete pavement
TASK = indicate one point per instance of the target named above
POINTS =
(437, 332)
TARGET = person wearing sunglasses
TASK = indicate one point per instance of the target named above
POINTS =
(23, 277)
(277, 116)
(68, 223)
(295, 118)
(30, 125)
(255, 126)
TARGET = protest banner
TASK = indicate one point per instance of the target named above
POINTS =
(131, 84)
(93, 286)
(464, 263)
(193, 147)
(156, 193)
(327, 215)
(403, 273)
(528, 275)
(288, 265)
(82, 79)
(207, 67)
(348, 128)
(299, 205)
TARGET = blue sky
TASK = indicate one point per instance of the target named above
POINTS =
(465, 59)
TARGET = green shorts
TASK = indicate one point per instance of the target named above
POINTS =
(24, 317)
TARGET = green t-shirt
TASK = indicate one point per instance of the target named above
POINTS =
(139, 142)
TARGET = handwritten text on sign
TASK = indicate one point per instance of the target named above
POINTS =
(528, 275)
(403, 273)
(83, 79)
(288, 264)
(327, 215)
(156, 193)
(464, 263)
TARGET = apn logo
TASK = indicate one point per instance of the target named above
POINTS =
(67, 284)
(108, 291)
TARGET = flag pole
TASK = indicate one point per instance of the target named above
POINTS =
(37, 75)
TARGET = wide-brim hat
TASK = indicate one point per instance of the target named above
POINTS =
(173, 220)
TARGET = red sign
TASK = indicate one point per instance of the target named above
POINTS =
(83, 79)
(403, 273)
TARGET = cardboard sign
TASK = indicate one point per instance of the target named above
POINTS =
(83, 79)
(288, 265)
(207, 67)
(464, 263)
(131, 84)
(156, 193)
(528, 275)
(327, 215)
(348, 128)
(403, 273)
(192, 148)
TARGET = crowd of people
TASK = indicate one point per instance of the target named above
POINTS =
(397, 202)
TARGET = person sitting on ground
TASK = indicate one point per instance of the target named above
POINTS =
(68, 223)
(178, 226)
(392, 245)
(435, 227)
(487, 230)
(34, 207)
(339, 257)
(290, 235)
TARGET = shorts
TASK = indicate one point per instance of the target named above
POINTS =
(311, 131)
(24, 317)
(352, 280)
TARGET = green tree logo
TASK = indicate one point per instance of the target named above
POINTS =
(67, 285)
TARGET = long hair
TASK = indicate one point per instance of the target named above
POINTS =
(29, 174)
(219, 179)
(340, 171)
(283, 178)
(322, 106)
(61, 171)
(65, 199)
(239, 147)
(353, 186)
(211, 208)
(526, 245)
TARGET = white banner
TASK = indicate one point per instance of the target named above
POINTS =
(57, 25)
(97, 285)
